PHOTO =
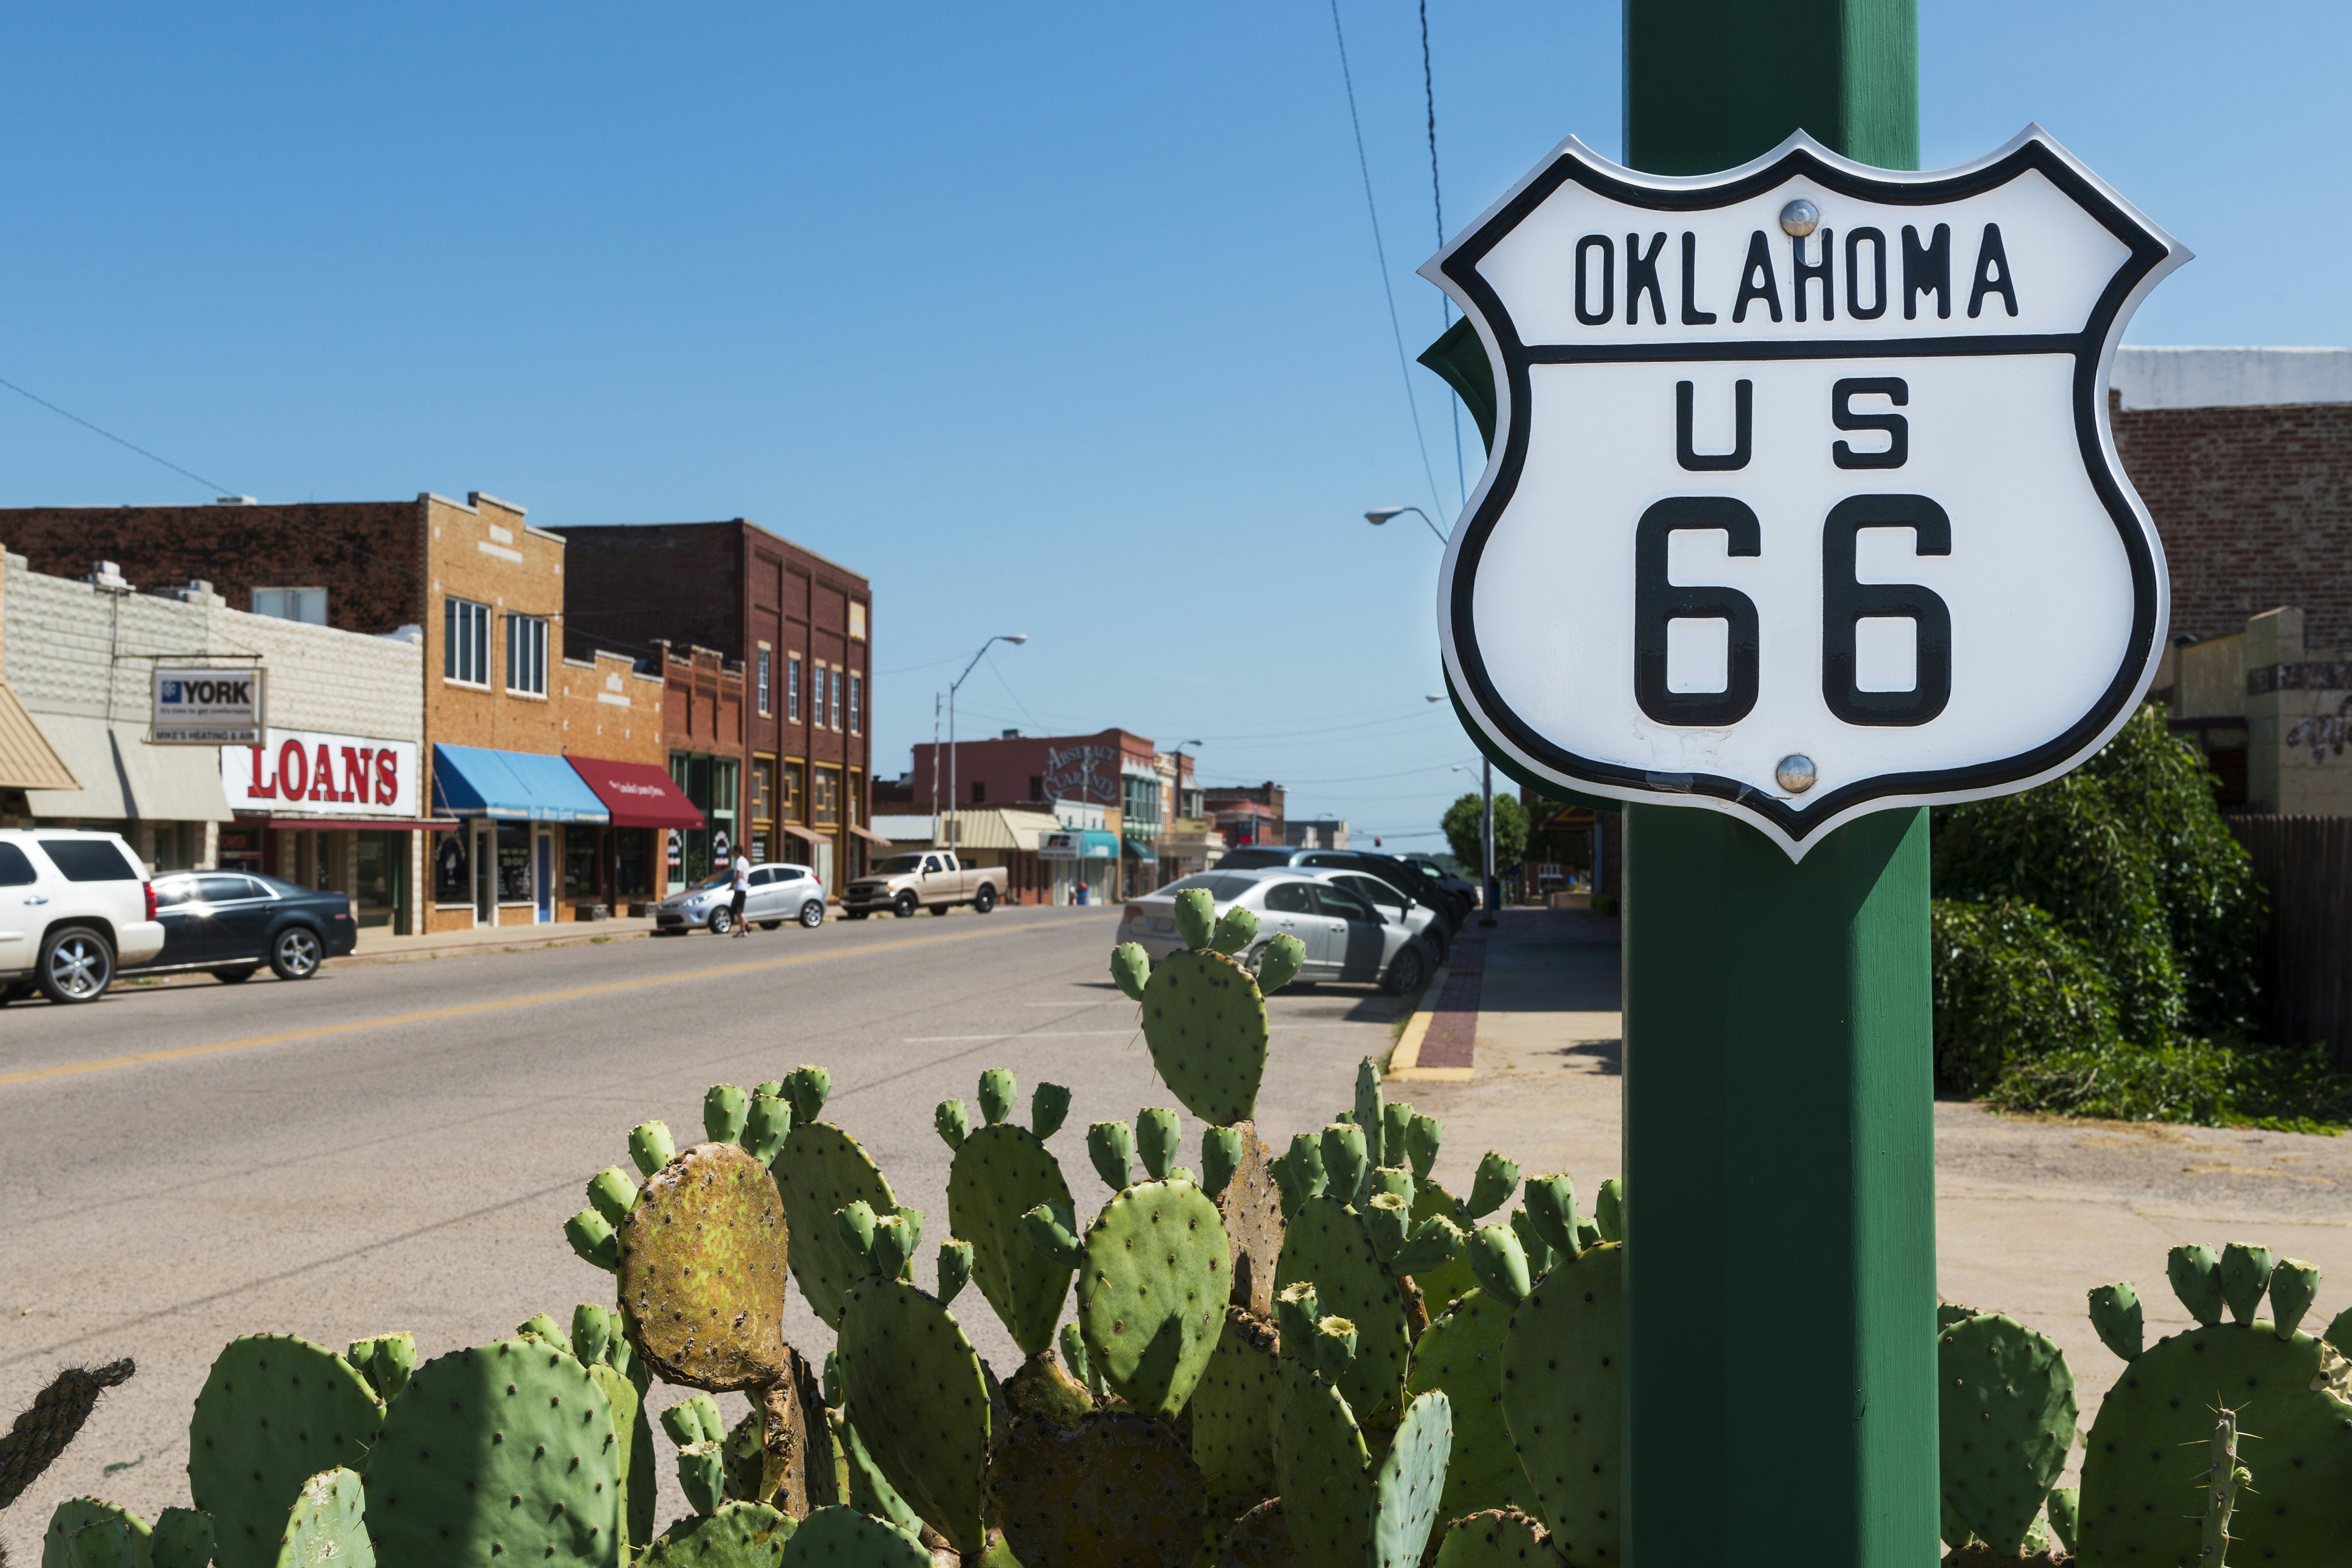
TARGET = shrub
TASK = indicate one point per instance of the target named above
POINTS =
(2283, 1088)
(2009, 985)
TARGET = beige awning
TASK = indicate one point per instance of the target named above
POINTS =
(121, 777)
(27, 761)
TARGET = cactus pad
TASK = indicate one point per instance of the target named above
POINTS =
(869, 1490)
(275, 1411)
(1461, 1352)
(1411, 1474)
(1498, 1538)
(2147, 1454)
(1152, 1293)
(114, 1535)
(704, 1269)
(182, 1538)
(1561, 1383)
(920, 1400)
(1449, 1280)
(1000, 1173)
(2005, 1406)
(1325, 1245)
(1205, 1023)
(844, 1538)
(1232, 1409)
(1118, 1489)
(327, 1528)
(503, 1453)
(1251, 1207)
(1259, 1539)
(739, 1535)
(822, 1169)
(1324, 1469)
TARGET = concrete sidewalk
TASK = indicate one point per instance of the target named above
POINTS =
(2030, 1213)
(377, 945)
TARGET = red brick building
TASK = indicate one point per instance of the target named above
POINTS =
(766, 648)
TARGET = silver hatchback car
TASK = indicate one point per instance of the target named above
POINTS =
(779, 892)
(1347, 937)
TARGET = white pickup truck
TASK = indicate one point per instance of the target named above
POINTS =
(929, 880)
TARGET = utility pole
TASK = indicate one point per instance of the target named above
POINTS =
(1778, 1053)
(1490, 890)
(1017, 639)
(937, 698)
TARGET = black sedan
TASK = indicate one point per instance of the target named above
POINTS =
(232, 923)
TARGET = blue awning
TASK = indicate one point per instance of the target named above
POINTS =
(518, 786)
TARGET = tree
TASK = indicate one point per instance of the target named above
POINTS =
(1461, 825)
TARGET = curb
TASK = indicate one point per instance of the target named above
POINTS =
(471, 949)
(1405, 1061)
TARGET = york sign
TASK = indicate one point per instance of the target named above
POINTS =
(306, 773)
(1802, 502)
(222, 707)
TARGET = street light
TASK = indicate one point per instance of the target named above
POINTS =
(1491, 892)
(1017, 639)
(1381, 514)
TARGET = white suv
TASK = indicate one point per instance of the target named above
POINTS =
(73, 905)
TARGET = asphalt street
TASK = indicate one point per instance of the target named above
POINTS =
(398, 1146)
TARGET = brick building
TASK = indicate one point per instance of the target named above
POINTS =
(1116, 770)
(796, 631)
(1248, 815)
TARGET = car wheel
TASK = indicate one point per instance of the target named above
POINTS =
(1406, 975)
(813, 913)
(940, 908)
(234, 976)
(77, 966)
(295, 955)
(983, 900)
(904, 906)
(721, 921)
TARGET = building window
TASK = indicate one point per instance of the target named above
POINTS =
(795, 795)
(836, 700)
(527, 655)
(307, 604)
(763, 807)
(856, 798)
(764, 656)
(826, 809)
(466, 641)
(792, 686)
(856, 702)
(453, 874)
(979, 791)
(857, 620)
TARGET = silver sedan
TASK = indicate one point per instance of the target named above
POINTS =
(1345, 935)
(778, 892)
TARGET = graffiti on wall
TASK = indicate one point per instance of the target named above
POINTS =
(1083, 773)
(2323, 733)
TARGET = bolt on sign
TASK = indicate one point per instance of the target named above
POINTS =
(1804, 503)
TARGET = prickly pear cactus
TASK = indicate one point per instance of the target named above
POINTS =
(739, 1535)
(597, 1338)
(1204, 1021)
(274, 1410)
(999, 1173)
(1496, 1538)
(1259, 1539)
(1449, 1280)
(1250, 1206)
(2005, 1405)
(869, 1490)
(920, 1400)
(1232, 1409)
(1117, 1489)
(1322, 1465)
(1563, 1365)
(504, 1453)
(704, 1268)
(1325, 1244)
(2146, 1450)
(90, 1532)
(1152, 1293)
(840, 1537)
(328, 1527)
(182, 1538)
(1461, 1352)
(1410, 1481)
(820, 1170)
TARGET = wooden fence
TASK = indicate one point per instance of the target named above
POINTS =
(2306, 954)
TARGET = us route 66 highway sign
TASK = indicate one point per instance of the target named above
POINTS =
(1804, 503)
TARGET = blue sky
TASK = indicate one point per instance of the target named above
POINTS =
(1055, 319)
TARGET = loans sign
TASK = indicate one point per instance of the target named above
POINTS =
(1802, 501)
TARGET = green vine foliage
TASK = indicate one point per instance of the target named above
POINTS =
(2011, 986)
(2129, 856)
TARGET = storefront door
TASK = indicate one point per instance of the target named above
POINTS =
(485, 880)
(546, 881)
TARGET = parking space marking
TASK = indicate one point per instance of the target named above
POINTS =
(325, 1031)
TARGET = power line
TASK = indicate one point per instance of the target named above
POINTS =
(1380, 251)
(1438, 199)
(69, 413)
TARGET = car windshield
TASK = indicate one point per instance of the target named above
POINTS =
(716, 880)
(899, 864)
(1223, 890)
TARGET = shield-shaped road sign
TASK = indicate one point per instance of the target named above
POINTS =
(1803, 501)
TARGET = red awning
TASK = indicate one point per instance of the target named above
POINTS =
(638, 794)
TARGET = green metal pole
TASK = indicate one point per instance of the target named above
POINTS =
(1779, 1140)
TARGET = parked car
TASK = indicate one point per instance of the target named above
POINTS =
(73, 906)
(1427, 926)
(1391, 869)
(779, 892)
(1461, 887)
(233, 922)
(931, 879)
(1345, 936)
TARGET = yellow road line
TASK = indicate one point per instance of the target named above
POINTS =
(323, 1031)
